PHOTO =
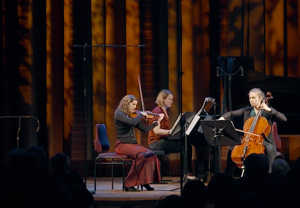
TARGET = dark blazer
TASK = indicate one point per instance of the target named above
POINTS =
(125, 126)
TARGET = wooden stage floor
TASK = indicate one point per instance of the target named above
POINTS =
(106, 197)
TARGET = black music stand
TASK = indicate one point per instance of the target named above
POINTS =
(219, 133)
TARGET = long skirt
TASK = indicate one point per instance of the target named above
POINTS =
(145, 168)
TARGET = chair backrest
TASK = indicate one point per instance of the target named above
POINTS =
(101, 142)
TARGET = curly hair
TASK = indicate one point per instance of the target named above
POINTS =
(124, 103)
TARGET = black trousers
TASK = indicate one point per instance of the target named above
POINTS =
(176, 145)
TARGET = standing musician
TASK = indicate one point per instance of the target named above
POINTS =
(145, 168)
(159, 138)
(258, 104)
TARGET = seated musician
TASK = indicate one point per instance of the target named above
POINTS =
(159, 137)
(145, 168)
(257, 103)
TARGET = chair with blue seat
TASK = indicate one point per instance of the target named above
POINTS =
(103, 157)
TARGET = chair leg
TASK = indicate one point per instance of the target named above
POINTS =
(112, 177)
(95, 185)
(123, 173)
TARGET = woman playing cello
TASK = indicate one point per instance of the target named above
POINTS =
(257, 105)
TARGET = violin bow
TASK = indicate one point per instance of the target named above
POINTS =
(141, 93)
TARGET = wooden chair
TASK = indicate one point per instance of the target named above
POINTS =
(103, 157)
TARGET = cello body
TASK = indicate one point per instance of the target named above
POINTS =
(251, 143)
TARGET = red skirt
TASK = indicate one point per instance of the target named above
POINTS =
(144, 170)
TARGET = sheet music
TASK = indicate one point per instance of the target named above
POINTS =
(196, 118)
(192, 125)
(175, 124)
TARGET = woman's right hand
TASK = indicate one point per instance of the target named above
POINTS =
(161, 116)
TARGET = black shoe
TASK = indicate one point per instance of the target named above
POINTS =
(132, 189)
(147, 187)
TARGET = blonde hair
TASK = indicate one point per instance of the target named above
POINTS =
(124, 103)
(258, 91)
(162, 95)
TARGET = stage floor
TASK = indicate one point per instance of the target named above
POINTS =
(106, 197)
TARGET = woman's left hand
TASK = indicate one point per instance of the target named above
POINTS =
(265, 107)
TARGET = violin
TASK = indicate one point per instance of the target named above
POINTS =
(149, 115)
(152, 115)
(255, 129)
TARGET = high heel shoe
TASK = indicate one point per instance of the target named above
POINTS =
(147, 187)
(131, 189)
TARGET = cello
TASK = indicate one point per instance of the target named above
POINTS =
(255, 128)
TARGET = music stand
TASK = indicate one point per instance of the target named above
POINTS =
(196, 118)
(219, 133)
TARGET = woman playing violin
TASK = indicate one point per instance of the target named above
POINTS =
(257, 100)
(145, 168)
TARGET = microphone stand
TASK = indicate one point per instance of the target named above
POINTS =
(20, 117)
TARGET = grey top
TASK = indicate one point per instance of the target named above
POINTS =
(125, 126)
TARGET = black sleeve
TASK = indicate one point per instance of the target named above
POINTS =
(145, 128)
(123, 117)
(277, 114)
(232, 114)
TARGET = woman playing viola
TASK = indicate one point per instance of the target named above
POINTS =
(145, 168)
(257, 103)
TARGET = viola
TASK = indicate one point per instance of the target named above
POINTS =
(255, 129)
